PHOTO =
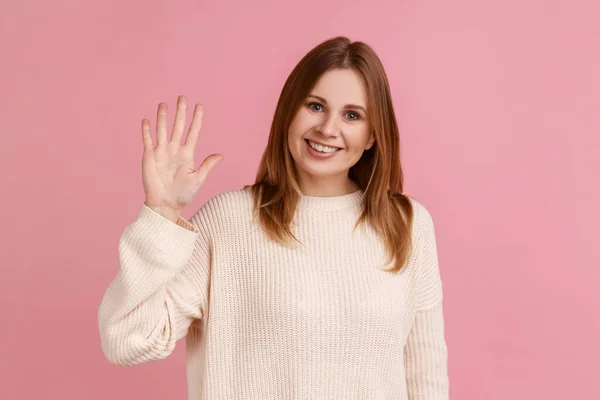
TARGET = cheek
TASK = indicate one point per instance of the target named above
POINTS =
(357, 141)
(294, 138)
(295, 129)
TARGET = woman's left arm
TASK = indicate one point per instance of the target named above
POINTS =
(425, 352)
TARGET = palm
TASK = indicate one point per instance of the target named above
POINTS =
(169, 175)
(168, 179)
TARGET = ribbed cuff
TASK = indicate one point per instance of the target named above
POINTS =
(160, 239)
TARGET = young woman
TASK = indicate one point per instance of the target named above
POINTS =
(319, 281)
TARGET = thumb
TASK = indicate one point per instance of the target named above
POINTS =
(207, 165)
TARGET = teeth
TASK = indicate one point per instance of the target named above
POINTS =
(322, 149)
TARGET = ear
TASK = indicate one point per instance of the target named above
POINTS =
(371, 142)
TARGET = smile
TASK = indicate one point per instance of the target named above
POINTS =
(322, 149)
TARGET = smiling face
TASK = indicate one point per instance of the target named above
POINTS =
(330, 132)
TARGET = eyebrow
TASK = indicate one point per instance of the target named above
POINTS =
(346, 106)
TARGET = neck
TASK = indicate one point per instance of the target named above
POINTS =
(327, 187)
(320, 204)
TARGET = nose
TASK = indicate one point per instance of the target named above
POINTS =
(328, 127)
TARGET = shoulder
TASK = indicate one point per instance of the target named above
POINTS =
(232, 200)
(424, 242)
(225, 208)
(422, 217)
(426, 257)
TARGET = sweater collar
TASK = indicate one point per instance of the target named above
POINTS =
(328, 203)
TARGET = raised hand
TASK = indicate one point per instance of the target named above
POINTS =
(169, 175)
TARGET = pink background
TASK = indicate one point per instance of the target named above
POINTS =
(498, 108)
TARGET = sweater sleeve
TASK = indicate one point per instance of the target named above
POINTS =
(426, 354)
(159, 290)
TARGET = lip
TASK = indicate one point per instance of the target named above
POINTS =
(318, 155)
(323, 144)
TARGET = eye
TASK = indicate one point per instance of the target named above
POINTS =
(314, 106)
(310, 105)
(355, 116)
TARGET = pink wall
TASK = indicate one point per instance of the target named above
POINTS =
(498, 107)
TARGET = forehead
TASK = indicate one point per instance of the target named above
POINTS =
(340, 87)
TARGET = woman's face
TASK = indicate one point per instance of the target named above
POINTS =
(330, 131)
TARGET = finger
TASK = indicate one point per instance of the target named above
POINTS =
(179, 123)
(146, 135)
(207, 165)
(195, 126)
(161, 124)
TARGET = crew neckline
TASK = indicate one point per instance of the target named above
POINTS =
(328, 203)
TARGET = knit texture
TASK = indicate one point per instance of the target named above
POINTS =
(263, 321)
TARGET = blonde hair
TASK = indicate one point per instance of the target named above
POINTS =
(378, 173)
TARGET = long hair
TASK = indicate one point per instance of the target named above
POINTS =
(378, 172)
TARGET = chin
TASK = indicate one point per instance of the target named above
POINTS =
(320, 172)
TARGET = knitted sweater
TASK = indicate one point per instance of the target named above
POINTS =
(264, 321)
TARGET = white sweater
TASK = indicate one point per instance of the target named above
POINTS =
(263, 321)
